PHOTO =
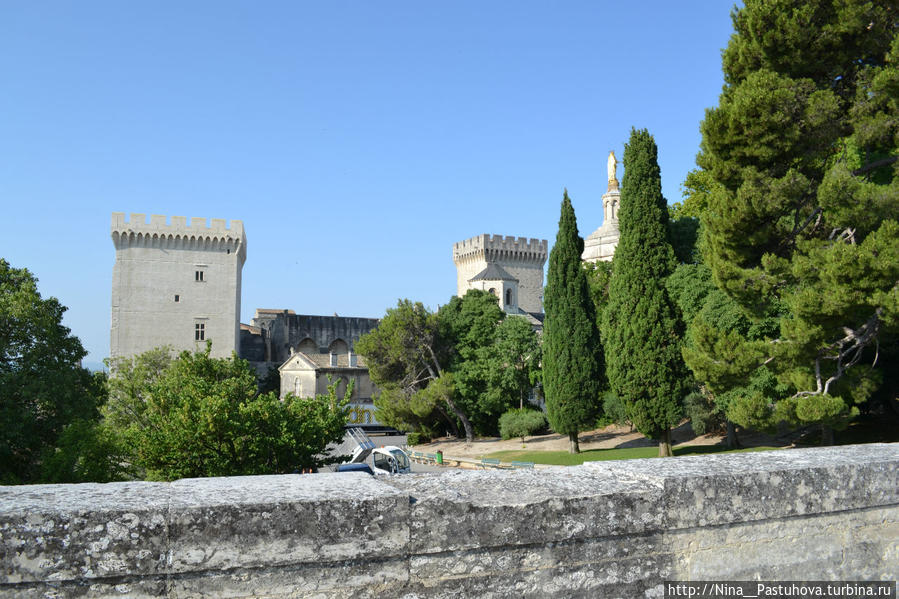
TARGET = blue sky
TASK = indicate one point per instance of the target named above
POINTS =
(356, 140)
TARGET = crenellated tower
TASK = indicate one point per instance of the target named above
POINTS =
(176, 284)
(509, 267)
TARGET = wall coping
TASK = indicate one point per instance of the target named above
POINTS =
(146, 533)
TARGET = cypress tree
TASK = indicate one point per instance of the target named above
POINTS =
(572, 365)
(640, 326)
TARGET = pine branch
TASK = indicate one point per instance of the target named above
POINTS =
(846, 352)
(875, 165)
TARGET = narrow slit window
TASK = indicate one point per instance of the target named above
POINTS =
(177, 298)
(198, 276)
(200, 331)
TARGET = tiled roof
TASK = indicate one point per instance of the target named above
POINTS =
(493, 272)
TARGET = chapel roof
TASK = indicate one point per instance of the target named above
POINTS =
(493, 272)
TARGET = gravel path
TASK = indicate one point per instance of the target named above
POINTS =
(613, 436)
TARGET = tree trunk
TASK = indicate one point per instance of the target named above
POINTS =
(573, 446)
(466, 423)
(665, 444)
(732, 441)
(454, 428)
(826, 435)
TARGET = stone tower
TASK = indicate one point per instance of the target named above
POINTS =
(176, 284)
(601, 244)
(511, 268)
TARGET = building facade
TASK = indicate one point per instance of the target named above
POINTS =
(311, 352)
(176, 284)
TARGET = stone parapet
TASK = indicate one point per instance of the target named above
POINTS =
(157, 233)
(498, 248)
(614, 529)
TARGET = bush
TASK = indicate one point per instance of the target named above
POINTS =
(417, 438)
(613, 409)
(703, 414)
(521, 422)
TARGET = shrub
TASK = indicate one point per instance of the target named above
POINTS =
(703, 414)
(613, 409)
(521, 422)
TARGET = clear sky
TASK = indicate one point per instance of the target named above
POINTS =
(356, 140)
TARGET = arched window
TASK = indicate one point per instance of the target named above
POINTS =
(508, 297)
(308, 346)
(337, 349)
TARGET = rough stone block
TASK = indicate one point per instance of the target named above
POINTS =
(266, 521)
(65, 532)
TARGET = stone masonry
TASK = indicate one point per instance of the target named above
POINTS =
(605, 529)
(503, 264)
(176, 284)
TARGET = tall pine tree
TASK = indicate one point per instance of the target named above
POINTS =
(641, 329)
(572, 354)
(802, 157)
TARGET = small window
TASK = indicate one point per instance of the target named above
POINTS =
(508, 297)
(198, 276)
(333, 359)
(200, 331)
(228, 251)
(352, 360)
(177, 298)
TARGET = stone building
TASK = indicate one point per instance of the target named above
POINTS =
(175, 284)
(600, 245)
(511, 268)
(310, 352)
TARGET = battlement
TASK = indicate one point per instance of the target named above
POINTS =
(496, 247)
(159, 232)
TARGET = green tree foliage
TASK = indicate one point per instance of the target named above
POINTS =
(799, 181)
(87, 451)
(599, 274)
(572, 364)
(514, 359)
(204, 417)
(467, 330)
(405, 354)
(129, 385)
(614, 409)
(459, 368)
(521, 422)
(43, 388)
(642, 333)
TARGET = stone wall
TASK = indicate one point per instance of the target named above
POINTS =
(611, 529)
(285, 330)
(173, 283)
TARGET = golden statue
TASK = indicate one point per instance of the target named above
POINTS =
(613, 164)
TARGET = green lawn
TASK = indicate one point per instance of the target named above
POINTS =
(563, 458)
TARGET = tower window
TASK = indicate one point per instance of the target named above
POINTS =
(198, 276)
(508, 297)
(200, 331)
(177, 298)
